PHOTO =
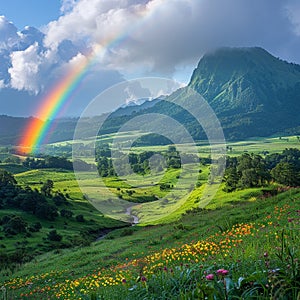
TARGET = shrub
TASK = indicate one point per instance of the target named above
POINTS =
(80, 218)
(54, 236)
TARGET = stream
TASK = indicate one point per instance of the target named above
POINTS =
(134, 221)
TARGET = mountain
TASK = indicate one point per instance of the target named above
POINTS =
(252, 92)
(11, 129)
(136, 106)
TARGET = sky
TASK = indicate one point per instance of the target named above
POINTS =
(35, 13)
(127, 39)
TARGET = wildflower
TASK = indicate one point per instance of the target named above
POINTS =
(124, 280)
(266, 254)
(222, 272)
(143, 279)
(210, 277)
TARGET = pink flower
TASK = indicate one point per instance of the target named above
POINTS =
(222, 272)
(210, 277)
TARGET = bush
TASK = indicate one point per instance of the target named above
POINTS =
(65, 213)
(13, 225)
(80, 218)
(35, 227)
(54, 236)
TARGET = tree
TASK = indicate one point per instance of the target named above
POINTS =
(246, 171)
(286, 173)
(231, 179)
(46, 211)
(47, 187)
(14, 225)
(6, 179)
(54, 236)
(35, 227)
(59, 199)
(66, 213)
(80, 218)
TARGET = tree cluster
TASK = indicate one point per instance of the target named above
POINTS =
(252, 170)
(139, 163)
(48, 162)
(26, 199)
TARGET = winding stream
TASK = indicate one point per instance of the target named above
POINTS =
(135, 219)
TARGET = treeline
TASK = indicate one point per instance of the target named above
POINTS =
(38, 207)
(56, 162)
(139, 163)
(48, 162)
(252, 170)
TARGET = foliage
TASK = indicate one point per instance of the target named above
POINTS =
(13, 225)
(139, 162)
(252, 170)
(54, 236)
(48, 162)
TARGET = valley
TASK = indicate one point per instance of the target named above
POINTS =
(187, 241)
(163, 208)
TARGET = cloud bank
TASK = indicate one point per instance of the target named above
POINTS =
(141, 37)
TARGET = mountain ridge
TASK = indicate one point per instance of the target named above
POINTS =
(253, 94)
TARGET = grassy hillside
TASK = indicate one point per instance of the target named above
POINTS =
(247, 238)
(251, 234)
(74, 231)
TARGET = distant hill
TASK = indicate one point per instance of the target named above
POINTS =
(11, 129)
(252, 92)
(133, 107)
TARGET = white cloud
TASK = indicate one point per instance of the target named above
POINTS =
(67, 6)
(293, 12)
(25, 69)
(8, 33)
(159, 35)
(2, 84)
(142, 37)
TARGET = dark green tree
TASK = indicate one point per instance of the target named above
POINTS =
(47, 187)
(54, 236)
(14, 225)
(286, 173)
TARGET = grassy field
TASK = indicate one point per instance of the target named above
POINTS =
(128, 253)
(176, 244)
(254, 145)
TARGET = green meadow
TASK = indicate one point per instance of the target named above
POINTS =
(178, 242)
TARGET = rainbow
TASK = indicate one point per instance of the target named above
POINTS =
(37, 130)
